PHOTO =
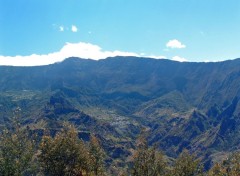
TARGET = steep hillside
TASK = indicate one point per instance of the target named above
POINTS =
(183, 105)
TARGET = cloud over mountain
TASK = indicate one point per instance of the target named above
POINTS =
(179, 59)
(81, 50)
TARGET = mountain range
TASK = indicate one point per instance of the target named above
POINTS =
(183, 105)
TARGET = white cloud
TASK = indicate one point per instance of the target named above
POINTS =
(81, 49)
(179, 59)
(61, 28)
(175, 44)
(156, 57)
(206, 61)
(74, 28)
(90, 51)
(152, 56)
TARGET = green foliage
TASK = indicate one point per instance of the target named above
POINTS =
(187, 165)
(16, 151)
(147, 160)
(96, 154)
(64, 154)
(123, 95)
(217, 170)
(229, 167)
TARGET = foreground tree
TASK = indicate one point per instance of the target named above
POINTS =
(229, 167)
(217, 170)
(16, 150)
(96, 154)
(235, 164)
(64, 154)
(147, 161)
(187, 165)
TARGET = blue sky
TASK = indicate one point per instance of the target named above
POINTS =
(192, 30)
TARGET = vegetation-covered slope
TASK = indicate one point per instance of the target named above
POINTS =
(183, 105)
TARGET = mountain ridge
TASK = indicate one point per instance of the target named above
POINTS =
(182, 104)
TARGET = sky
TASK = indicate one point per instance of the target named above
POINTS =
(41, 32)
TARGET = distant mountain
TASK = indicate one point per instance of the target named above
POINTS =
(184, 105)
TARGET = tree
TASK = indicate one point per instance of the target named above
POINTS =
(229, 166)
(235, 161)
(147, 161)
(16, 149)
(187, 165)
(64, 154)
(217, 170)
(96, 157)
